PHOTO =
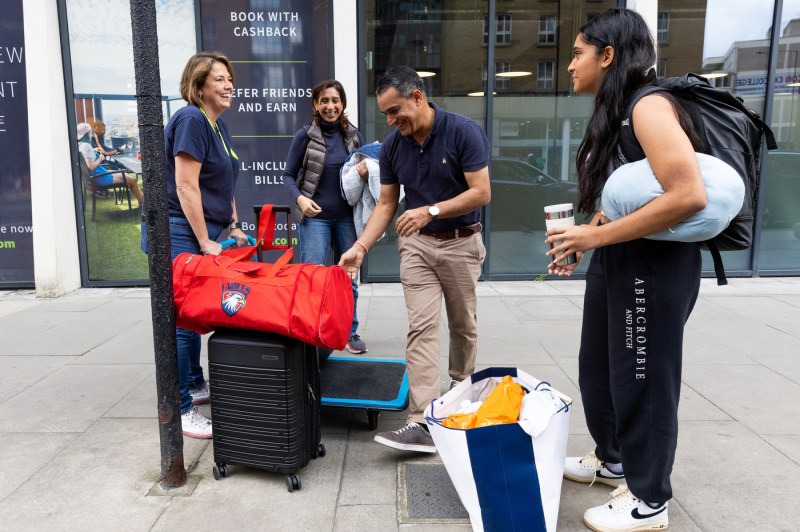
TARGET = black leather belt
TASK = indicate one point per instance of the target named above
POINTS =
(458, 232)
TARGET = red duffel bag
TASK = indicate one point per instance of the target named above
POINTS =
(304, 301)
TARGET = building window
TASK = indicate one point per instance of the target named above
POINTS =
(503, 29)
(499, 82)
(544, 74)
(547, 29)
(663, 26)
(661, 68)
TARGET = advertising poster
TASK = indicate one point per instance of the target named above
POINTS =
(279, 52)
(16, 229)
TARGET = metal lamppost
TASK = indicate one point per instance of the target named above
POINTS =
(151, 133)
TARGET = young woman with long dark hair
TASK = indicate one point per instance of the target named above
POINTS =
(639, 292)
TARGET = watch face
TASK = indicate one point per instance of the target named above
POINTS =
(433, 210)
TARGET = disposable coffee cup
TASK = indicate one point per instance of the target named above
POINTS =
(561, 215)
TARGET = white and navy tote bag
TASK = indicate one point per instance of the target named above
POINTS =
(508, 477)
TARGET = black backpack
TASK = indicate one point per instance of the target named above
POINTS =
(730, 132)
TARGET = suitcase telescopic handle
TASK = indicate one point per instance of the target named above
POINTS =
(231, 241)
(285, 209)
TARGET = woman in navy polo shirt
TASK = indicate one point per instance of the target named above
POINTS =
(201, 169)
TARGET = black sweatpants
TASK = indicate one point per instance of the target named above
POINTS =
(639, 295)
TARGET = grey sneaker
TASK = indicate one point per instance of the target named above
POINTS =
(196, 425)
(590, 469)
(356, 345)
(201, 395)
(412, 437)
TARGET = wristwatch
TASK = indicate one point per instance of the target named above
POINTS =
(433, 210)
(235, 225)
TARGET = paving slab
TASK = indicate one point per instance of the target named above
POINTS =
(558, 337)
(788, 444)
(748, 337)
(525, 288)
(37, 332)
(254, 499)
(11, 307)
(17, 373)
(99, 481)
(366, 517)
(79, 432)
(386, 308)
(718, 496)
(24, 454)
(543, 309)
(133, 345)
(758, 398)
(72, 398)
(370, 475)
(140, 402)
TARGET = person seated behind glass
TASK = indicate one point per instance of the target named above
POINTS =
(98, 140)
(94, 159)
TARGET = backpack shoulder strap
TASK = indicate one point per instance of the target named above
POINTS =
(630, 147)
(719, 269)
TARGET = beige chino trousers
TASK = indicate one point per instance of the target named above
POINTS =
(429, 269)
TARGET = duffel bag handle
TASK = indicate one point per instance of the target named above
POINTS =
(265, 241)
(240, 264)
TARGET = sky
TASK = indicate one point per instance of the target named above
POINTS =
(741, 20)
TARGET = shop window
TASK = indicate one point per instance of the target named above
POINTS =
(104, 97)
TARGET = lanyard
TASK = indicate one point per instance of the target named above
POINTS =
(215, 128)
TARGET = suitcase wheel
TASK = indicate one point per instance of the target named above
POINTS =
(372, 418)
(293, 483)
(220, 471)
(321, 450)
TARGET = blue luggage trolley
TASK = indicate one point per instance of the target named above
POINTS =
(372, 384)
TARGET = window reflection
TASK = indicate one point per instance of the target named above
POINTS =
(717, 39)
(103, 86)
(446, 38)
(536, 124)
(780, 236)
(537, 127)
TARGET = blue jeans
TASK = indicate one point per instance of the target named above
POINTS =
(190, 372)
(319, 234)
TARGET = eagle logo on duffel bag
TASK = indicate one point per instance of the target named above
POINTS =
(234, 297)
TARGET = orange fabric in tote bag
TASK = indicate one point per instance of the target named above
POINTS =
(308, 302)
(501, 406)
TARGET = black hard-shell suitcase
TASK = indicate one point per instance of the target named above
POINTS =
(265, 402)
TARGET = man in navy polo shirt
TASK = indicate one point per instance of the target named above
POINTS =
(442, 161)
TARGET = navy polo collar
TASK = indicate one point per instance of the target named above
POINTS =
(438, 118)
